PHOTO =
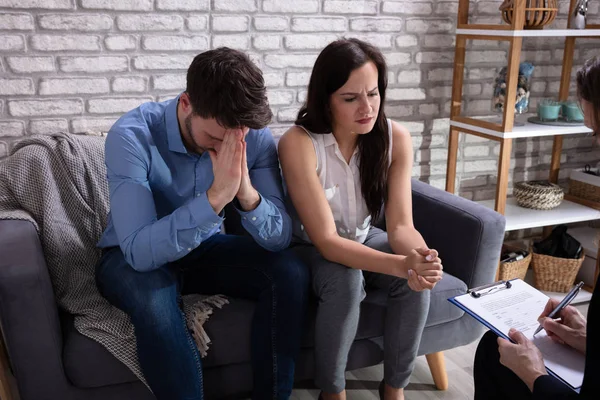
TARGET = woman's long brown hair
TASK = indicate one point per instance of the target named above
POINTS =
(588, 88)
(331, 71)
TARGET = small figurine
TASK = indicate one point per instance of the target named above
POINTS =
(523, 89)
(578, 17)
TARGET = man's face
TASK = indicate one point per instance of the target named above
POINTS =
(201, 134)
(204, 134)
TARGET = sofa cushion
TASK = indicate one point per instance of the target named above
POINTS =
(88, 364)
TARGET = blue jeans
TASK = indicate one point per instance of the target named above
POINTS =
(231, 265)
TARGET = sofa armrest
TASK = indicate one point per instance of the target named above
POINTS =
(467, 235)
(28, 312)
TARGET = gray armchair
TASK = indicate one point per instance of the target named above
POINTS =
(51, 360)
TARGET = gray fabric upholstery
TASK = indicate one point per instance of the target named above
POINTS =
(52, 361)
(31, 325)
(467, 235)
(230, 328)
(80, 371)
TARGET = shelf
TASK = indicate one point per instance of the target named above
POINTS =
(527, 130)
(525, 218)
(583, 296)
(586, 236)
(530, 33)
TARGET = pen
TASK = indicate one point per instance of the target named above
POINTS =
(565, 302)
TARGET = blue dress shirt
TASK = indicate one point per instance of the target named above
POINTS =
(159, 211)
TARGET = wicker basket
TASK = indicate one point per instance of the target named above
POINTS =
(515, 269)
(584, 186)
(539, 195)
(555, 274)
(538, 13)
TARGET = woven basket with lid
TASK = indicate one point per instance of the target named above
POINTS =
(585, 184)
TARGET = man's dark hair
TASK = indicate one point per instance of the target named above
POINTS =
(588, 88)
(226, 85)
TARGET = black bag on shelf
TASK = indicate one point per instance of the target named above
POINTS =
(559, 244)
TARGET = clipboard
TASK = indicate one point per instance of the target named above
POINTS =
(573, 372)
(479, 291)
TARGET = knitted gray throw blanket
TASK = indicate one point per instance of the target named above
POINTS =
(58, 182)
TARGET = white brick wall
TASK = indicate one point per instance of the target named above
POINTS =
(93, 64)
(53, 86)
(77, 65)
(119, 5)
(75, 22)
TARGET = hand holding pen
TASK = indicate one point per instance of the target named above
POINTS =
(571, 329)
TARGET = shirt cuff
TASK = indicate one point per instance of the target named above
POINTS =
(257, 216)
(202, 213)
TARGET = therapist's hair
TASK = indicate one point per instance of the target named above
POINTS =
(226, 85)
(588, 88)
(330, 72)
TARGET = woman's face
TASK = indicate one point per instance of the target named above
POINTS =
(355, 106)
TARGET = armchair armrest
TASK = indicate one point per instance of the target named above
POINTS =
(467, 235)
(28, 312)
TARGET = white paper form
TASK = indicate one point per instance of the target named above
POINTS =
(519, 307)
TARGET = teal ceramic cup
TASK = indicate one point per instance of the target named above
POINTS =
(549, 111)
(572, 112)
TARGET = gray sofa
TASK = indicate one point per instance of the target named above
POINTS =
(51, 360)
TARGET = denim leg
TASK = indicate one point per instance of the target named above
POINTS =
(167, 353)
(237, 266)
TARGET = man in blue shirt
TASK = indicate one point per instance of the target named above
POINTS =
(172, 167)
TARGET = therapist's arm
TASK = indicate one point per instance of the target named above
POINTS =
(547, 387)
(146, 241)
(269, 223)
(524, 359)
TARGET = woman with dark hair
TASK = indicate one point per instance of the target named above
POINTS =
(346, 165)
(516, 370)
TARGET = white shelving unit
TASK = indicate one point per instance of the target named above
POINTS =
(531, 32)
(583, 296)
(527, 130)
(512, 126)
(523, 218)
(588, 237)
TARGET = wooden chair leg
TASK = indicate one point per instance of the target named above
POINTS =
(437, 365)
(5, 393)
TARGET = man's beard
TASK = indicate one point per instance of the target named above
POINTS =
(188, 127)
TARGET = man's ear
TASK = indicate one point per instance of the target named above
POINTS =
(186, 104)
